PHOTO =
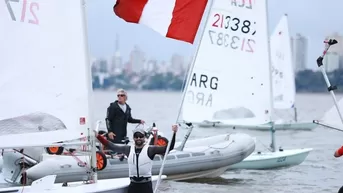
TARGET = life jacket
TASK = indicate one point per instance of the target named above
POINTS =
(140, 165)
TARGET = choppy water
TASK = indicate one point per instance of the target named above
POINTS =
(319, 173)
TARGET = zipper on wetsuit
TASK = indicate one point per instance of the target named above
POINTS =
(137, 155)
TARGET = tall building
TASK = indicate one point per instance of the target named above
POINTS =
(137, 59)
(336, 49)
(292, 52)
(117, 62)
(331, 62)
(299, 49)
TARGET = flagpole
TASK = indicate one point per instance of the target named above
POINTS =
(201, 32)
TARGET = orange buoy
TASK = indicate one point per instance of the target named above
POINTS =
(54, 150)
(101, 160)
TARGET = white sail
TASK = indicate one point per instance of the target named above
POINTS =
(44, 70)
(282, 67)
(230, 79)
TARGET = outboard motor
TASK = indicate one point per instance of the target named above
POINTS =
(14, 165)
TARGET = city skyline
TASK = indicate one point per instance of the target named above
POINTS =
(138, 62)
(103, 26)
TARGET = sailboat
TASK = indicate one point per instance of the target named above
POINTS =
(216, 73)
(45, 84)
(221, 89)
(283, 83)
(47, 183)
(283, 77)
(208, 157)
(274, 158)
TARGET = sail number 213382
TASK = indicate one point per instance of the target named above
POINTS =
(28, 11)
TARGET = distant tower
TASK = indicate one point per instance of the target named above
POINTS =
(137, 59)
(117, 59)
(117, 43)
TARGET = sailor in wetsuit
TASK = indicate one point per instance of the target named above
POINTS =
(140, 158)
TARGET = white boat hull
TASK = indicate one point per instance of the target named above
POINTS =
(207, 157)
(272, 160)
(201, 174)
(278, 126)
(119, 185)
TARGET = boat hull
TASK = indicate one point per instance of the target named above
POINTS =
(278, 126)
(273, 160)
(211, 159)
(119, 185)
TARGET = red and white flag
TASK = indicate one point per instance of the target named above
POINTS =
(177, 19)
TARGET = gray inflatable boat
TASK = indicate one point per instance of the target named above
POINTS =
(206, 157)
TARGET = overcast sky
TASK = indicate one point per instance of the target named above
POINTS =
(312, 18)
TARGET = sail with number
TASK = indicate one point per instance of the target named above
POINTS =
(282, 67)
(230, 78)
(44, 73)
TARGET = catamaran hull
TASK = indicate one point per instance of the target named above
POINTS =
(207, 157)
(119, 185)
(273, 160)
(278, 126)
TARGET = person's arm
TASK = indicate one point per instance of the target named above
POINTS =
(125, 149)
(153, 150)
(339, 152)
(109, 119)
(132, 120)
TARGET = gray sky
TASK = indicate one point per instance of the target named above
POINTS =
(312, 18)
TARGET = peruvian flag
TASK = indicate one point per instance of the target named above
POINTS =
(177, 19)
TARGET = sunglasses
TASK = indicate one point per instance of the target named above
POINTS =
(138, 136)
(120, 95)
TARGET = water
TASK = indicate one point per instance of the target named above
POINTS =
(319, 173)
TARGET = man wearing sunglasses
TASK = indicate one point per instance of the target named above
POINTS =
(118, 115)
(139, 171)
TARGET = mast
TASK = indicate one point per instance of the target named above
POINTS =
(91, 135)
(201, 34)
(272, 128)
